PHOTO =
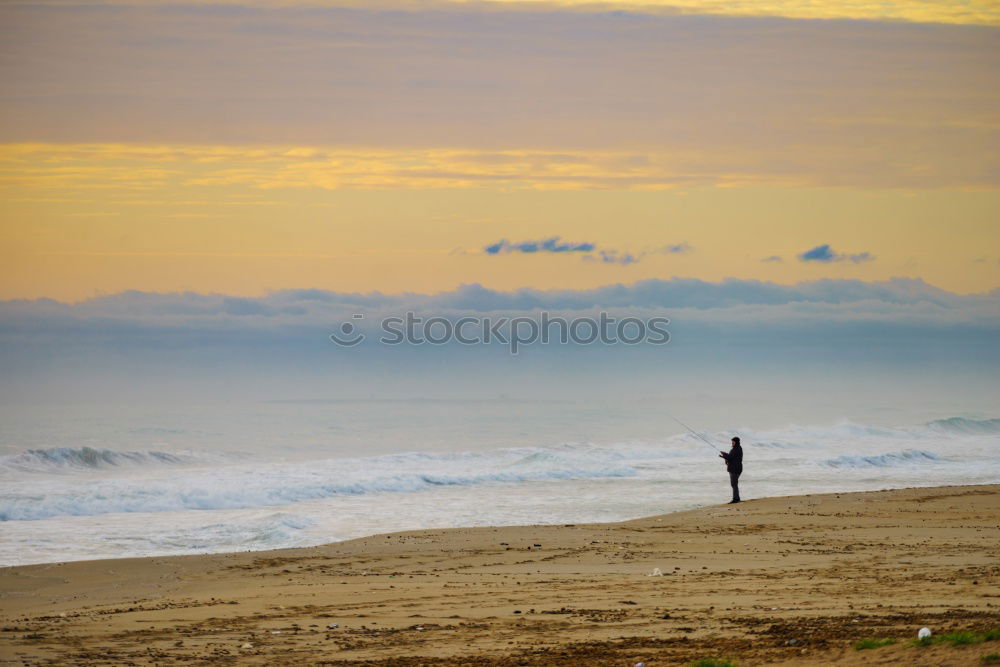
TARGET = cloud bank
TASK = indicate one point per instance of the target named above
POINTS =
(139, 346)
(753, 303)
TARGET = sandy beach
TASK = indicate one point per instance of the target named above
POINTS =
(792, 581)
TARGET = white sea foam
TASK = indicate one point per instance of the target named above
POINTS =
(63, 503)
(276, 484)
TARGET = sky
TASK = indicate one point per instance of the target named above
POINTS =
(155, 157)
(248, 147)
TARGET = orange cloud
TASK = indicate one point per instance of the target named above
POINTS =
(75, 167)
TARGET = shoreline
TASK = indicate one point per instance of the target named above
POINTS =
(793, 578)
(418, 529)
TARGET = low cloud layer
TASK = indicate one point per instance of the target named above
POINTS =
(748, 301)
(138, 345)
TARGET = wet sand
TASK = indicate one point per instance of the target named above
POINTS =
(791, 581)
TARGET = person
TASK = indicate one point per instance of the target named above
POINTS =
(734, 464)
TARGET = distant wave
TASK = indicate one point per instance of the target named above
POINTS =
(85, 458)
(108, 482)
(795, 435)
(208, 494)
(272, 485)
(966, 426)
(157, 430)
(845, 431)
(883, 460)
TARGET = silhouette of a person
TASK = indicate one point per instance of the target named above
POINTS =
(734, 464)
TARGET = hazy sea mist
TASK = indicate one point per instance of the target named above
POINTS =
(140, 423)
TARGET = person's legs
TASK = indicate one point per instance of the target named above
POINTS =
(734, 481)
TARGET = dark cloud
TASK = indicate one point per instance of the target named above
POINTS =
(821, 253)
(616, 257)
(824, 253)
(590, 251)
(550, 245)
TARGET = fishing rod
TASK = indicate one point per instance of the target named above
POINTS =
(695, 433)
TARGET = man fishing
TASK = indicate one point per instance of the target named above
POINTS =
(734, 464)
(734, 459)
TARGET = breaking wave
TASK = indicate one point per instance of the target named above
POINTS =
(85, 458)
(85, 481)
(909, 456)
(966, 426)
(278, 484)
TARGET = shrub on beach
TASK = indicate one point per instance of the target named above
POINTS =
(959, 638)
(953, 638)
(712, 662)
(872, 643)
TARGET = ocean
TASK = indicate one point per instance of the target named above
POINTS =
(78, 483)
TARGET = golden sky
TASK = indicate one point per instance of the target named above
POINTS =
(242, 149)
(982, 12)
(966, 12)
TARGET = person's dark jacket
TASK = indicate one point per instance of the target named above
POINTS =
(734, 459)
